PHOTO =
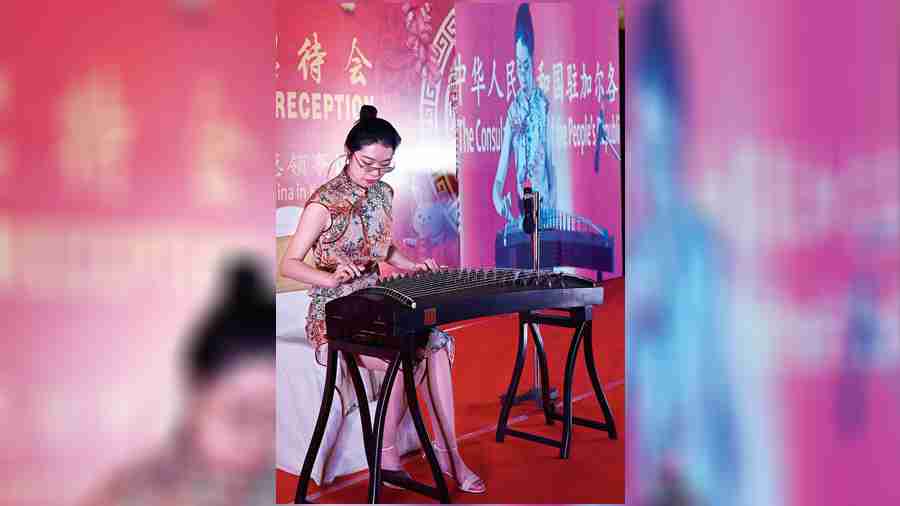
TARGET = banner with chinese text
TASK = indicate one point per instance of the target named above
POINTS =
(332, 58)
(546, 117)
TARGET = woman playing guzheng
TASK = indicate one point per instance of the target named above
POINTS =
(526, 132)
(347, 224)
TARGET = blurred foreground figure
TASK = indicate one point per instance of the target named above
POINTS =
(686, 447)
(222, 450)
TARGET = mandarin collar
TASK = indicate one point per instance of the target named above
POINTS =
(355, 189)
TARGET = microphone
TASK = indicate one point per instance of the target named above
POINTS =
(528, 211)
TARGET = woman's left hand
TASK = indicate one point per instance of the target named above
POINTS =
(428, 265)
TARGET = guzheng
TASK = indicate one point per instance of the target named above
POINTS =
(389, 313)
(566, 240)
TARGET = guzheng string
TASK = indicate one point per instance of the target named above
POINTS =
(555, 219)
(452, 280)
(466, 284)
(462, 278)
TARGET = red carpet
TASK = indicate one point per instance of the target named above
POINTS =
(519, 471)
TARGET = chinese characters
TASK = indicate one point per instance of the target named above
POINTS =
(563, 83)
(312, 57)
(355, 64)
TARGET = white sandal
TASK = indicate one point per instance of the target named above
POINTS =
(470, 484)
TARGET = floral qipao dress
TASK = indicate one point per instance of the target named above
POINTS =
(360, 233)
(528, 117)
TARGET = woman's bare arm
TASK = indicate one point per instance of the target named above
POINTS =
(501, 204)
(314, 220)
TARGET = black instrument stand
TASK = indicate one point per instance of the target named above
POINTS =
(579, 319)
(373, 434)
(536, 393)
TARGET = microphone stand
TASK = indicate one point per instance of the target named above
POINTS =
(531, 225)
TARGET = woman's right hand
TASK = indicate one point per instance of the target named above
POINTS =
(342, 273)
(503, 206)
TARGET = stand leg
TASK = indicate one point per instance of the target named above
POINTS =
(546, 403)
(513, 386)
(413, 402)
(595, 381)
(362, 400)
(567, 393)
(378, 429)
(319, 431)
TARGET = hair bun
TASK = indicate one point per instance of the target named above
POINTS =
(367, 112)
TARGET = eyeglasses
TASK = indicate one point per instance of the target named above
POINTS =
(373, 169)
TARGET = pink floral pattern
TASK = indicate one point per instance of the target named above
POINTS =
(417, 21)
(528, 117)
(360, 233)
